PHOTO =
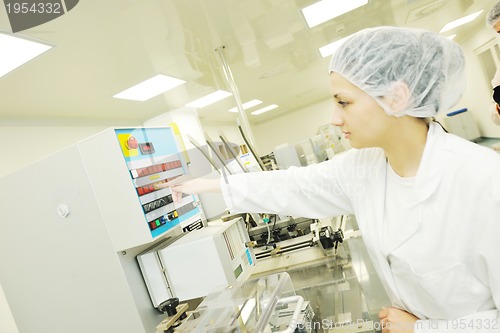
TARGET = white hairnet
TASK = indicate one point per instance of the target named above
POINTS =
(431, 65)
(493, 15)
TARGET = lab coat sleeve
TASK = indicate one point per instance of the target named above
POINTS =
(485, 234)
(481, 322)
(315, 191)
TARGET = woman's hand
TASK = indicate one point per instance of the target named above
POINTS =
(186, 185)
(393, 320)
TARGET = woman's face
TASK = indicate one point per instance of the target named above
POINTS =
(361, 119)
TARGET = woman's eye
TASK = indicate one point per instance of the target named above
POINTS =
(342, 103)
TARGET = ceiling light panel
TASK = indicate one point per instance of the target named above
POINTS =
(246, 105)
(17, 51)
(329, 49)
(150, 88)
(266, 109)
(209, 99)
(461, 21)
(325, 10)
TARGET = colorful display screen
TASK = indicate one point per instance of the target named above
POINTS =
(152, 159)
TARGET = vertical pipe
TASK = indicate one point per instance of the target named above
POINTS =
(234, 89)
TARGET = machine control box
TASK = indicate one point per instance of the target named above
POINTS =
(126, 167)
(192, 265)
(152, 158)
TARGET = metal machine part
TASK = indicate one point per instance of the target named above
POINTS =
(231, 151)
(274, 249)
(281, 227)
(169, 306)
(252, 150)
(329, 238)
(176, 314)
(284, 234)
(299, 234)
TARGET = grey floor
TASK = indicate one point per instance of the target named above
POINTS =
(490, 143)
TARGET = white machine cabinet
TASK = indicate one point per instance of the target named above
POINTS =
(196, 263)
(73, 223)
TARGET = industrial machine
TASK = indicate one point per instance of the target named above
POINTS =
(340, 293)
(273, 235)
(192, 265)
(74, 222)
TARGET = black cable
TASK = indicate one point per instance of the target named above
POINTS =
(444, 129)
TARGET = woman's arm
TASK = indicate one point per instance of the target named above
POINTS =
(320, 190)
(480, 322)
(191, 186)
(311, 191)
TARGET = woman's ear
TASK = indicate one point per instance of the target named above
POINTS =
(398, 98)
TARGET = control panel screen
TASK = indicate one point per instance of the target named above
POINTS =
(152, 159)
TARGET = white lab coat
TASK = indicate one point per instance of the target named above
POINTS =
(446, 267)
(495, 117)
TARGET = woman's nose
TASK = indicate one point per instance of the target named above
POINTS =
(337, 119)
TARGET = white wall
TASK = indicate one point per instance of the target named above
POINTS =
(293, 127)
(478, 94)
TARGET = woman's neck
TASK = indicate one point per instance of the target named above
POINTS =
(405, 149)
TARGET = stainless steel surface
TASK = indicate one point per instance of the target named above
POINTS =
(344, 291)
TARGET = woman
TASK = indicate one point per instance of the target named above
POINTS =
(427, 202)
(493, 20)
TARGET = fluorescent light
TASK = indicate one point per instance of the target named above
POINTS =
(209, 99)
(329, 49)
(452, 37)
(461, 21)
(150, 88)
(267, 108)
(325, 10)
(246, 105)
(18, 51)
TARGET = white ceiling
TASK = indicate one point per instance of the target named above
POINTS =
(106, 46)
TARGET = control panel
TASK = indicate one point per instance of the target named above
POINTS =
(152, 158)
